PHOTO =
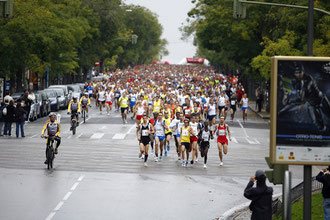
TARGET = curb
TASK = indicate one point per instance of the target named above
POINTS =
(258, 113)
(233, 212)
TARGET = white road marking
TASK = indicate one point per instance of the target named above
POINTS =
(89, 117)
(81, 178)
(248, 140)
(74, 186)
(256, 141)
(70, 136)
(67, 196)
(33, 136)
(80, 135)
(50, 216)
(97, 136)
(119, 136)
(240, 124)
(60, 204)
(129, 131)
(235, 140)
(104, 127)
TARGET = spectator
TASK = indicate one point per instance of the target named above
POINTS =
(2, 117)
(8, 98)
(324, 178)
(259, 97)
(20, 120)
(9, 118)
(26, 103)
(261, 196)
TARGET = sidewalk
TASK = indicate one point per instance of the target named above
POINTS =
(263, 114)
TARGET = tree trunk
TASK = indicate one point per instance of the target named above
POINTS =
(19, 87)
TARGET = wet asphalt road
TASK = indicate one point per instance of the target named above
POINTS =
(98, 175)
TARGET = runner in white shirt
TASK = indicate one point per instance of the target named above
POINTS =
(193, 138)
(101, 98)
(245, 106)
(109, 100)
(222, 104)
(176, 126)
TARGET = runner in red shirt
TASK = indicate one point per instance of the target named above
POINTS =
(222, 130)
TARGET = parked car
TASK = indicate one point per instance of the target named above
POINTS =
(75, 90)
(65, 89)
(17, 96)
(53, 97)
(44, 102)
(34, 110)
(61, 97)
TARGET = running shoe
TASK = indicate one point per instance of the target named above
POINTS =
(132, 118)
(156, 159)
(145, 164)
(125, 121)
(186, 164)
(108, 114)
(196, 160)
(168, 147)
(221, 164)
(165, 153)
(205, 166)
(56, 151)
(179, 158)
(45, 162)
(160, 157)
(140, 155)
(192, 162)
(183, 163)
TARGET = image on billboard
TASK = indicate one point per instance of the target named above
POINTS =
(302, 114)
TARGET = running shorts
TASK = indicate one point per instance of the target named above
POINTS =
(193, 139)
(244, 108)
(222, 140)
(221, 107)
(145, 140)
(109, 103)
(186, 145)
(131, 105)
(103, 102)
(177, 135)
(233, 107)
(205, 144)
(161, 138)
(170, 133)
(139, 117)
(210, 117)
(123, 110)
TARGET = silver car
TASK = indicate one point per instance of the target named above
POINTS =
(75, 90)
(65, 89)
(61, 97)
(34, 110)
(53, 97)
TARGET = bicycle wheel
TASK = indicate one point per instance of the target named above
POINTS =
(74, 127)
(49, 158)
(52, 160)
(84, 115)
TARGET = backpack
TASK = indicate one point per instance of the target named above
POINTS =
(4, 111)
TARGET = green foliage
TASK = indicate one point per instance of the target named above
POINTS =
(247, 44)
(68, 35)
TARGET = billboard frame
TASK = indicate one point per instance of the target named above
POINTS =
(273, 107)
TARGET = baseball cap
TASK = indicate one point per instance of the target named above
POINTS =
(260, 173)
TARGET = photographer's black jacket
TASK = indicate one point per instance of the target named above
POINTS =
(261, 205)
(325, 179)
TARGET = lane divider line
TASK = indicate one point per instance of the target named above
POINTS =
(234, 139)
(240, 124)
(65, 198)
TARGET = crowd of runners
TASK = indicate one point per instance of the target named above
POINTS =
(175, 102)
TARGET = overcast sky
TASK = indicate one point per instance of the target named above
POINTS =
(171, 14)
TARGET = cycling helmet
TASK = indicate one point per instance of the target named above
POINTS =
(52, 114)
(74, 97)
(86, 94)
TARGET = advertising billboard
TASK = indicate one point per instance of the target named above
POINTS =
(300, 110)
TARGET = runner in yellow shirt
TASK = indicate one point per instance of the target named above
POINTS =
(123, 101)
(168, 133)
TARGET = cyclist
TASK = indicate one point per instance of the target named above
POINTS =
(53, 132)
(74, 108)
(85, 102)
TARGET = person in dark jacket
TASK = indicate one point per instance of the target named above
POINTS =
(324, 177)
(9, 118)
(2, 118)
(27, 103)
(261, 196)
(20, 120)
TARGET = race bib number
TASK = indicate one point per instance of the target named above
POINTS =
(133, 99)
(145, 133)
(233, 102)
(185, 133)
(222, 132)
(124, 102)
(157, 109)
(117, 94)
(159, 133)
(205, 137)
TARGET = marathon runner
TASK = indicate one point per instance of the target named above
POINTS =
(143, 135)
(204, 137)
(245, 107)
(222, 130)
(186, 132)
(160, 127)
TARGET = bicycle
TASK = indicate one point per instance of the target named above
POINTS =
(74, 122)
(50, 152)
(84, 113)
